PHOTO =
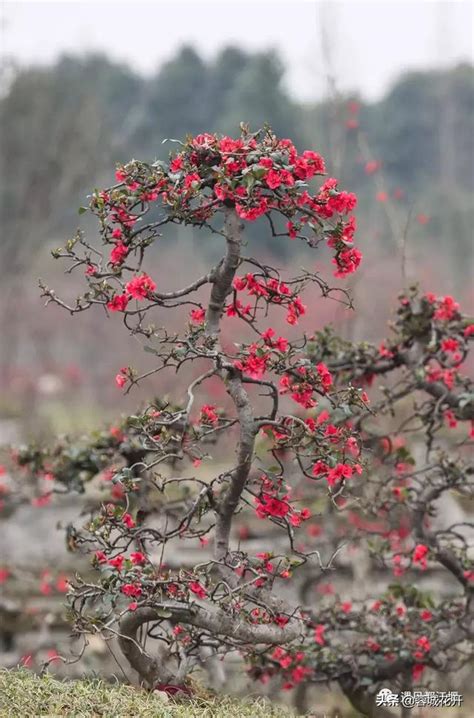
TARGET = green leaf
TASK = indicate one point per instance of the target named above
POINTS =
(150, 350)
(82, 210)
(259, 172)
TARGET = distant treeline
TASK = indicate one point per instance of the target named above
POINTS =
(63, 128)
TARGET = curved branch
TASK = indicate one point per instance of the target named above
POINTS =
(216, 622)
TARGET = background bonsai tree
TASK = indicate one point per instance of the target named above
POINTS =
(294, 438)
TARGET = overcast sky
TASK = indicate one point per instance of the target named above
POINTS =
(370, 43)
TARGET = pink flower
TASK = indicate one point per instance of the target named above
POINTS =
(120, 380)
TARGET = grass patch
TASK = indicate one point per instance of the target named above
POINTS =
(22, 693)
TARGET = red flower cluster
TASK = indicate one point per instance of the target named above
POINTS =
(419, 555)
(270, 290)
(257, 173)
(274, 500)
(302, 389)
(208, 415)
(141, 287)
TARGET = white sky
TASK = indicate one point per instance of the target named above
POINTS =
(370, 42)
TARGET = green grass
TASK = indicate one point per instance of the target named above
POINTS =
(23, 694)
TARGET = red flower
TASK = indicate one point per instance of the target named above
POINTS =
(417, 671)
(372, 645)
(295, 310)
(117, 562)
(450, 345)
(198, 316)
(347, 262)
(62, 584)
(119, 253)
(270, 506)
(197, 589)
(419, 555)
(273, 179)
(141, 287)
(319, 634)
(176, 164)
(118, 303)
(128, 521)
(424, 645)
(132, 590)
(137, 558)
(447, 309)
(239, 283)
(324, 375)
(450, 418)
(252, 213)
(208, 414)
(299, 673)
(372, 166)
(422, 218)
(192, 181)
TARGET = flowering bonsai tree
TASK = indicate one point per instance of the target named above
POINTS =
(306, 453)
